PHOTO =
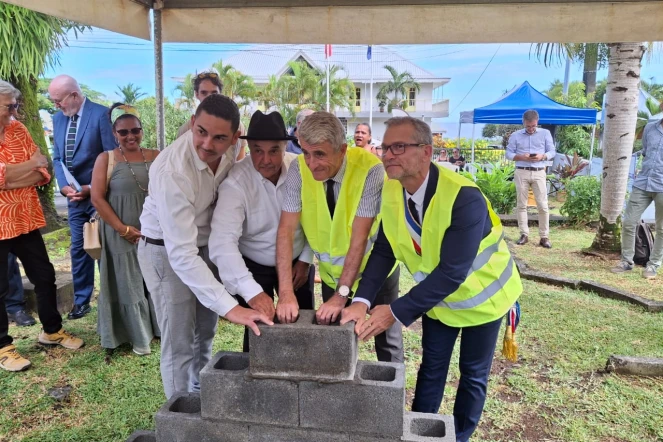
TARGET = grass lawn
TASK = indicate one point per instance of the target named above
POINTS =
(566, 259)
(557, 391)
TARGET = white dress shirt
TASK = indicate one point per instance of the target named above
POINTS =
(245, 223)
(178, 209)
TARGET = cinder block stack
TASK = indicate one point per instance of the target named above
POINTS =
(300, 382)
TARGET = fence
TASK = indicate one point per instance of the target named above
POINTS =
(481, 156)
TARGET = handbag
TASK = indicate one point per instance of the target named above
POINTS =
(91, 229)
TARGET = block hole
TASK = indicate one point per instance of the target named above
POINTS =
(186, 404)
(428, 427)
(378, 373)
(335, 323)
(145, 438)
(232, 362)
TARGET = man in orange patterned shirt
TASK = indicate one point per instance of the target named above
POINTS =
(21, 217)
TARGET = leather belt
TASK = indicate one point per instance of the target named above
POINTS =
(531, 168)
(156, 242)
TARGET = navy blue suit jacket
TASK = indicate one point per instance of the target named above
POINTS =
(94, 135)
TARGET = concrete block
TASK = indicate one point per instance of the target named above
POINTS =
(142, 436)
(605, 291)
(268, 433)
(229, 392)
(179, 420)
(547, 278)
(304, 350)
(65, 293)
(364, 438)
(425, 427)
(635, 366)
(372, 404)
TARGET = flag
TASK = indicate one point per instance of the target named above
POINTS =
(328, 51)
(369, 52)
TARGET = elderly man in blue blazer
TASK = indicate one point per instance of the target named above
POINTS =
(81, 131)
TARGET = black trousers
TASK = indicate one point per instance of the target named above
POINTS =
(267, 278)
(30, 249)
(388, 344)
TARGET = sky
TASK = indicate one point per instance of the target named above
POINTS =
(479, 73)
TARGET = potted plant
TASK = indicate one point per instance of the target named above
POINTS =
(565, 172)
(382, 100)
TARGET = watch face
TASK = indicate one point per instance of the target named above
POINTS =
(344, 291)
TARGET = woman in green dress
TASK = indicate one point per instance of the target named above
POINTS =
(125, 311)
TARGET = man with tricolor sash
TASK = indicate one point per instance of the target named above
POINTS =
(334, 193)
(443, 229)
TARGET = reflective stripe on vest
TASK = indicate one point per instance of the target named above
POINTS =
(340, 260)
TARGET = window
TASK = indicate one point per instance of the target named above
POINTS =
(412, 93)
(344, 122)
(358, 97)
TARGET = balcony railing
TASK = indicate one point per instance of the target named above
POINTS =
(415, 105)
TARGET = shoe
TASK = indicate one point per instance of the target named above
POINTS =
(79, 311)
(545, 243)
(142, 351)
(522, 241)
(21, 318)
(649, 272)
(622, 267)
(62, 338)
(10, 360)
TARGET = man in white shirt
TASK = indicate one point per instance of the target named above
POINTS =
(246, 219)
(173, 253)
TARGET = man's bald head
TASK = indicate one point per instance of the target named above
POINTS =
(64, 84)
(66, 94)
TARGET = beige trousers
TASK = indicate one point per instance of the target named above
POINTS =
(537, 180)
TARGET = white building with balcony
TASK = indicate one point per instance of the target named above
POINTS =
(262, 61)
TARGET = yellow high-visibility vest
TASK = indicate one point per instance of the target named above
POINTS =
(492, 284)
(330, 240)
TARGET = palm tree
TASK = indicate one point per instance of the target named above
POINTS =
(643, 117)
(29, 43)
(400, 84)
(342, 93)
(130, 94)
(239, 87)
(592, 55)
(187, 98)
(621, 108)
(652, 88)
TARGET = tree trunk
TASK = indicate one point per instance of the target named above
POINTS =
(590, 65)
(29, 116)
(621, 110)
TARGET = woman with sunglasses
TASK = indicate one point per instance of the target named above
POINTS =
(125, 311)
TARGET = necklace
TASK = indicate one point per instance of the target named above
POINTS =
(132, 171)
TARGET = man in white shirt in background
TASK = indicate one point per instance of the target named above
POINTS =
(243, 239)
(173, 253)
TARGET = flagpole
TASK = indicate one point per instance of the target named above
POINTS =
(370, 103)
(327, 84)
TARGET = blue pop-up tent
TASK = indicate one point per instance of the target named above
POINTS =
(510, 109)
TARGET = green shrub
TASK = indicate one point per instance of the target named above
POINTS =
(583, 200)
(497, 185)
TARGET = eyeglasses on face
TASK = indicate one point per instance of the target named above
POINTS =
(125, 132)
(11, 107)
(398, 148)
(207, 75)
(59, 102)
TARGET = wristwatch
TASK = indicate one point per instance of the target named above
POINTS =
(343, 291)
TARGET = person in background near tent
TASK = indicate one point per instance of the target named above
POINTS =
(205, 84)
(81, 131)
(293, 145)
(363, 139)
(457, 159)
(439, 225)
(530, 148)
(443, 157)
(647, 188)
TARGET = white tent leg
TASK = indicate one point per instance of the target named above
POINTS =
(591, 149)
(474, 126)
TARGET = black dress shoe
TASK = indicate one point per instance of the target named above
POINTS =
(21, 318)
(545, 242)
(79, 311)
(522, 241)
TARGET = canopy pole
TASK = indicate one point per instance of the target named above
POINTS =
(473, 127)
(370, 98)
(591, 148)
(460, 123)
(158, 72)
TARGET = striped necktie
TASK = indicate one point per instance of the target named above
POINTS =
(71, 141)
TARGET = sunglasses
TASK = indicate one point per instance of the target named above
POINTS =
(207, 75)
(125, 132)
(11, 107)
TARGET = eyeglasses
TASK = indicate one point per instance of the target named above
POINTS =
(11, 107)
(125, 132)
(207, 75)
(398, 148)
(59, 102)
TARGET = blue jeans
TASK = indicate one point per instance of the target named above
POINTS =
(14, 300)
(477, 346)
(82, 265)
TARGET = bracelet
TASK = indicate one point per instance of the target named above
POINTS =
(125, 233)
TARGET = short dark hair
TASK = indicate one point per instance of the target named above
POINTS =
(121, 117)
(220, 106)
(211, 76)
